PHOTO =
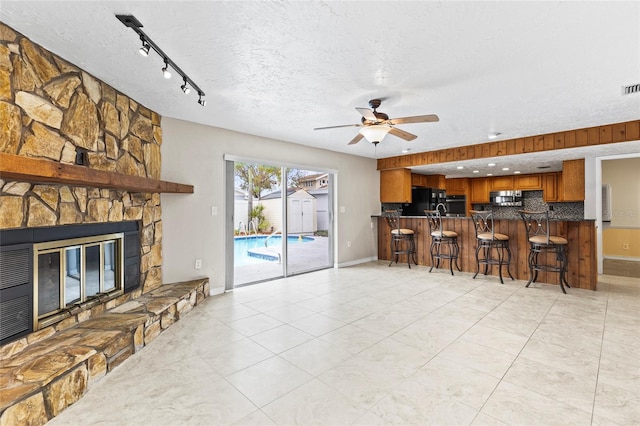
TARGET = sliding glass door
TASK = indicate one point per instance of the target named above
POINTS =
(280, 222)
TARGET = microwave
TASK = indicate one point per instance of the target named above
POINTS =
(506, 198)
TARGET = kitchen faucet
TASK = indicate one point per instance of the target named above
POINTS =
(444, 208)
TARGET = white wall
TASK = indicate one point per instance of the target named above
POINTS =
(193, 154)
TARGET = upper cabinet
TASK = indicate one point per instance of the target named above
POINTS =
(501, 183)
(428, 181)
(552, 187)
(528, 182)
(479, 191)
(395, 186)
(573, 180)
(457, 186)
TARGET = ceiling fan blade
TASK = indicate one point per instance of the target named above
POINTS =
(337, 127)
(356, 139)
(402, 134)
(368, 114)
(416, 119)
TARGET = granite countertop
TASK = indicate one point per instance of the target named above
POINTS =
(497, 218)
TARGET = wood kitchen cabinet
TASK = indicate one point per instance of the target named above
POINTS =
(395, 186)
(573, 180)
(436, 181)
(528, 182)
(501, 183)
(479, 191)
(551, 187)
(457, 186)
(418, 180)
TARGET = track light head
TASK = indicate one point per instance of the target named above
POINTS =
(165, 70)
(185, 88)
(144, 50)
(201, 101)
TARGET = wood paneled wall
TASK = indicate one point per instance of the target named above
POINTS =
(580, 234)
(610, 133)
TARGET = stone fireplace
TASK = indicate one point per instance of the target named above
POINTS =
(80, 232)
(50, 111)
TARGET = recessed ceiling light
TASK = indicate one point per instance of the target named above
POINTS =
(489, 174)
(404, 151)
(493, 135)
(476, 171)
(517, 172)
(505, 168)
(460, 167)
(491, 164)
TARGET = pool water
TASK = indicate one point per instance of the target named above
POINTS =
(242, 245)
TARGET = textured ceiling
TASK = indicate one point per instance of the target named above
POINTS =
(279, 69)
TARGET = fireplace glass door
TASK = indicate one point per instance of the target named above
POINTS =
(73, 271)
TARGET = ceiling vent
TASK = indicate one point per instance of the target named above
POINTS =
(634, 88)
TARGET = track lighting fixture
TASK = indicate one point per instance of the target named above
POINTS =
(184, 87)
(165, 71)
(148, 44)
(144, 50)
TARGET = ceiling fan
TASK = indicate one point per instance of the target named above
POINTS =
(375, 125)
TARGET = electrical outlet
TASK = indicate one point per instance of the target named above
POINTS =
(348, 243)
(214, 210)
(342, 209)
(198, 264)
(625, 246)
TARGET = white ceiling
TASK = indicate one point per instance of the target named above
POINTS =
(279, 69)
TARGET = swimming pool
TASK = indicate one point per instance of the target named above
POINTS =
(242, 248)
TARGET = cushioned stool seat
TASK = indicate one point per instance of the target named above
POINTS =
(494, 246)
(444, 244)
(402, 239)
(541, 243)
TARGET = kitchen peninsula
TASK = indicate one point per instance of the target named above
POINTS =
(579, 233)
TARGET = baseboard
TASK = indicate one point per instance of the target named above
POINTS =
(357, 261)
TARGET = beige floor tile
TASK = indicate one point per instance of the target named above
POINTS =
(316, 356)
(268, 380)
(496, 339)
(617, 405)
(442, 379)
(573, 389)
(235, 356)
(314, 403)
(254, 419)
(512, 404)
(281, 338)
(478, 357)
(317, 324)
(352, 338)
(420, 354)
(255, 324)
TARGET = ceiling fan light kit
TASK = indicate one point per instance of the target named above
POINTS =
(376, 133)
(147, 44)
(375, 125)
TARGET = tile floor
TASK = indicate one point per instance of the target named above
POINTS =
(373, 345)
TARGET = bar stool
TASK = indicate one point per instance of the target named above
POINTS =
(440, 238)
(487, 241)
(540, 241)
(402, 239)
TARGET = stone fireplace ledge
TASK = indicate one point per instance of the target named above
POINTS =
(42, 380)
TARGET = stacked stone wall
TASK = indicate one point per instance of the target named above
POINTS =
(51, 109)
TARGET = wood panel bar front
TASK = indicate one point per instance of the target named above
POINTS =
(580, 234)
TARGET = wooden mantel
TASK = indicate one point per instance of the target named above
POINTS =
(36, 170)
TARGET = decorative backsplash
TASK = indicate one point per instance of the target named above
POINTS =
(532, 200)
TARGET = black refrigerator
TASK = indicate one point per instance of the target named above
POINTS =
(423, 199)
